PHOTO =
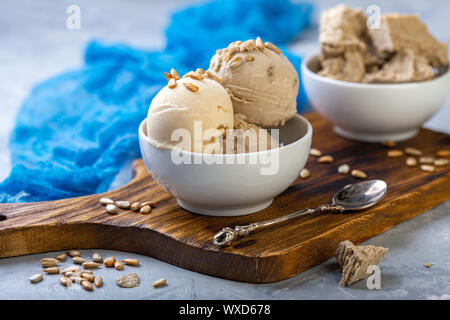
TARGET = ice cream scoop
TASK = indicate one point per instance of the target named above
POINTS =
(263, 84)
(195, 105)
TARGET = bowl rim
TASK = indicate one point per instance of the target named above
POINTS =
(305, 70)
(306, 136)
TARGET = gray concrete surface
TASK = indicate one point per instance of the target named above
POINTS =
(35, 45)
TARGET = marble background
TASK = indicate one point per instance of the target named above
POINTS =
(35, 45)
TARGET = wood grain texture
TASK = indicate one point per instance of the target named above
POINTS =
(184, 239)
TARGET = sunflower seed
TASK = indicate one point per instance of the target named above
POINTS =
(235, 62)
(174, 74)
(359, 174)
(61, 257)
(135, 206)
(426, 160)
(109, 262)
(104, 201)
(78, 260)
(172, 83)
(211, 75)
(90, 264)
(75, 253)
(77, 279)
(112, 209)
(413, 151)
(343, 169)
(388, 143)
(271, 46)
(118, 265)
(411, 162)
(159, 283)
(325, 159)
(315, 152)
(395, 153)
(88, 276)
(98, 281)
(259, 43)
(123, 204)
(96, 257)
(52, 270)
(128, 280)
(190, 86)
(35, 278)
(145, 210)
(148, 203)
(131, 262)
(428, 264)
(87, 285)
(441, 162)
(248, 58)
(65, 281)
(304, 173)
(427, 167)
(443, 153)
(71, 269)
(49, 262)
(249, 45)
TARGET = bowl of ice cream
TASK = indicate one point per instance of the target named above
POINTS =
(226, 141)
(376, 84)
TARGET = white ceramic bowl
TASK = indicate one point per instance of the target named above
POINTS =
(374, 112)
(230, 188)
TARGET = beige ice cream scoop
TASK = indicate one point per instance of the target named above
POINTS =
(201, 107)
(262, 82)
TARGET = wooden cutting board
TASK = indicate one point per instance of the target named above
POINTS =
(184, 239)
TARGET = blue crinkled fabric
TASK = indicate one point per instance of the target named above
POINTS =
(76, 131)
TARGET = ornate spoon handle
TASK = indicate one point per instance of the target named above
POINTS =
(227, 235)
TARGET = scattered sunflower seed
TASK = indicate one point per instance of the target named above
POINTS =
(411, 162)
(304, 173)
(235, 62)
(61, 257)
(35, 278)
(52, 270)
(112, 209)
(426, 160)
(271, 46)
(135, 206)
(98, 281)
(159, 283)
(443, 153)
(90, 264)
(325, 159)
(395, 153)
(128, 280)
(428, 264)
(248, 58)
(71, 269)
(118, 265)
(427, 167)
(315, 152)
(190, 86)
(388, 143)
(148, 203)
(49, 262)
(145, 209)
(109, 262)
(259, 43)
(441, 162)
(123, 204)
(75, 253)
(168, 76)
(106, 201)
(87, 285)
(88, 276)
(65, 281)
(359, 174)
(79, 260)
(413, 151)
(343, 169)
(131, 262)
(96, 257)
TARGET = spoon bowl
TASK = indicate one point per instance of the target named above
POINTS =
(361, 195)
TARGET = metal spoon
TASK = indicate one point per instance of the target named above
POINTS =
(355, 196)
